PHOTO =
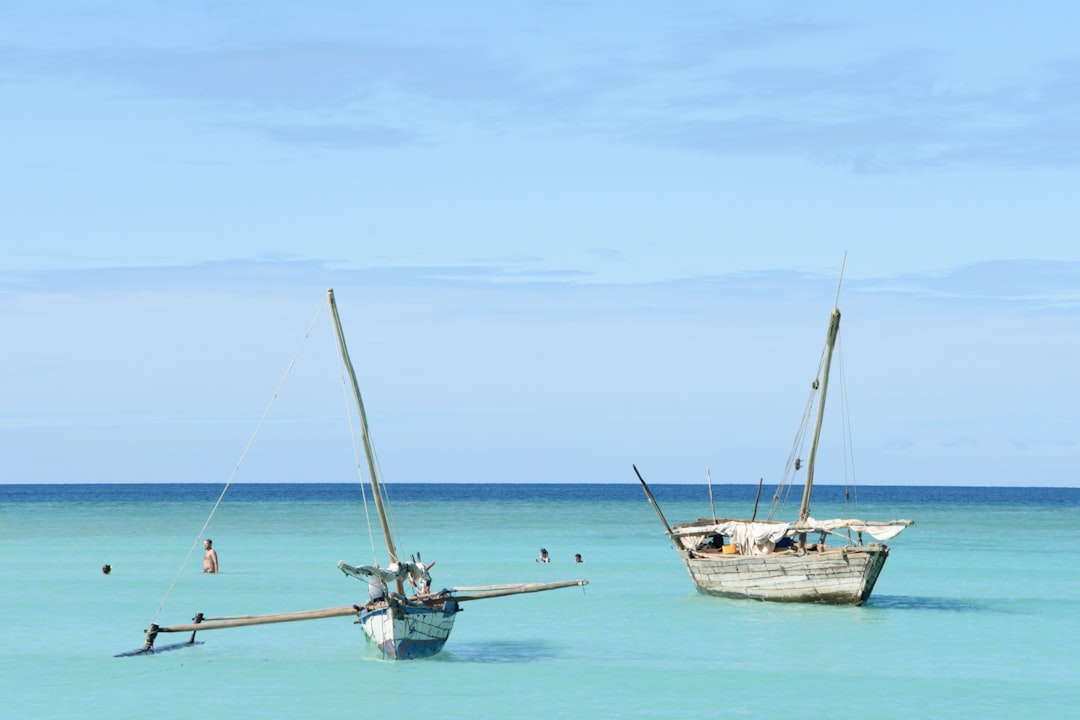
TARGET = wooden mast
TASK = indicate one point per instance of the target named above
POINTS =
(368, 453)
(834, 328)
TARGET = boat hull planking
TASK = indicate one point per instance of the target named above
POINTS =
(832, 576)
(407, 632)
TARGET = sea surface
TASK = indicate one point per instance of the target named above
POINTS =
(976, 615)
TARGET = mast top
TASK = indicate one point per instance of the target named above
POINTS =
(839, 282)
(823, 387)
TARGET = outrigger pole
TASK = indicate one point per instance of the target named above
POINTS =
(202, 623)
(483, 592)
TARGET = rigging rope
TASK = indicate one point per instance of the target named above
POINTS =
(788, 477)
(347, 394)
(797, 445)
(799, 442)
(391, 519)
(849, 444)
(236, 469)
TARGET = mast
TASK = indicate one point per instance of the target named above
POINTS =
(830, 343)
(368, 453)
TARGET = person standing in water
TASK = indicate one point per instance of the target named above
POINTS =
(209, 562)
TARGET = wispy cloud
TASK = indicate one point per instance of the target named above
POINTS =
(894, 112)
(1032, 284)
(728, 86)
(1027, 284)
(944, 373)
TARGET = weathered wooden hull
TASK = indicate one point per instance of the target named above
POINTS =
(407, 632)
(834, 576)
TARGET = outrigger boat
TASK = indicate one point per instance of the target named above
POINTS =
(772, 560)
(403, 625)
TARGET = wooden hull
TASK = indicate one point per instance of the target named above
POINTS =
(406, 631)
(834, 576)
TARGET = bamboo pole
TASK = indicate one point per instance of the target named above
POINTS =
(830, 344)
(492, 591)
(652, 500)
(245, 620)
(712, 505)
(761, 481)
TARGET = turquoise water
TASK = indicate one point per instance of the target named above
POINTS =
(977, 614)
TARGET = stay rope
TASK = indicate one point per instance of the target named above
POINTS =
(347, 399)
(236, 469)
(794, 462)
(850, 477)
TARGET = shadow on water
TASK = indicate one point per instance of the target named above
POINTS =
(498, 652)
(908, 602)
(141, 652)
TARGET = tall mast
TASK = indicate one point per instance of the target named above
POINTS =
(376, 491)
(830, 343)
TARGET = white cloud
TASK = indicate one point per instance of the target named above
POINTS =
(511, 379)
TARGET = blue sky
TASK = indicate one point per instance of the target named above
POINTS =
(565, 236)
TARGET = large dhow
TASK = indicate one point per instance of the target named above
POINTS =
(403, 624)
(775, 560)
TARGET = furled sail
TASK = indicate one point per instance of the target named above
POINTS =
(760, 537)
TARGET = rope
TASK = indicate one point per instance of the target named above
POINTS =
(799, 443)
(391, 519)
(236, 469)
(797, 446)
(347, 397)
(849, 444)
(800, 436)
(389, 508)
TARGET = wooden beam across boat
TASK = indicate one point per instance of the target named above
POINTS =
(246, 620)
(232, 621)
(483, 592)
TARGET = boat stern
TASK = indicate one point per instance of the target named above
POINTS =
(404, 631)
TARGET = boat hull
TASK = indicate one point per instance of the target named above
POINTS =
(833, 576)
(405, 631)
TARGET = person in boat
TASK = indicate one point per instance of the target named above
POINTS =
(376, 589)
(210, 561)
(544, 557)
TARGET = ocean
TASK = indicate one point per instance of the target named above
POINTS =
(976, 615)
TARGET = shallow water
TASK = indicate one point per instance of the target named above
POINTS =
(977, 613)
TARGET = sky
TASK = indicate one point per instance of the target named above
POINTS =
(565, 237)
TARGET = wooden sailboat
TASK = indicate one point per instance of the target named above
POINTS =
(402, 628)
(772, 560)
(402, 625)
